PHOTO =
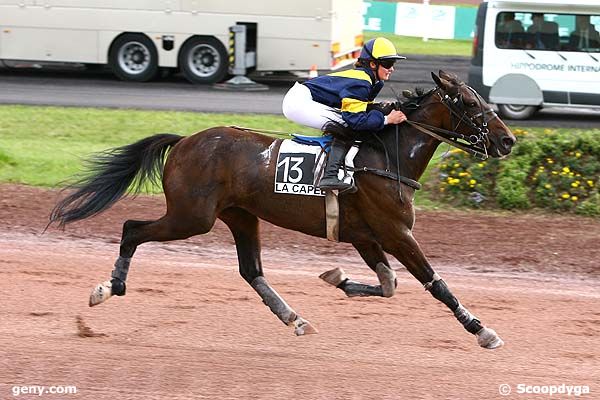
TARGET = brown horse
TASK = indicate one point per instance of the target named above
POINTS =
(228, 173)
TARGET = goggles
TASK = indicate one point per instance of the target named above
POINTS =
(387, 64)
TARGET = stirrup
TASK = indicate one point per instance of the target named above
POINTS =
(339, 185)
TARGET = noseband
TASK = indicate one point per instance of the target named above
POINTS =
(474, 143)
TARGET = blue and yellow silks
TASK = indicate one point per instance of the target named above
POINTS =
(350, 91)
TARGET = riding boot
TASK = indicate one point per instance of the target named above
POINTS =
(335, 160)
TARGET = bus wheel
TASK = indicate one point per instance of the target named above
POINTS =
(203, 60)
(516, 111)
(133, 57)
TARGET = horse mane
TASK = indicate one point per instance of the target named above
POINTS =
(413, 99)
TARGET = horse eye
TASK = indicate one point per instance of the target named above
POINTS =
(472, 104)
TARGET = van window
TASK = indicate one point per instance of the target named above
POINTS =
(539, 31)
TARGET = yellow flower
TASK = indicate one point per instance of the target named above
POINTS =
(554, 173)
(578, 154)
(456, 165)
(590, 183)
(547, 186)
(472, 182)
(566, 170)
(547, 131)
(541, 168)
(481, 165)
(565, 195)
(463, 174)
(574, 184)
(549, 161)
(574, 198)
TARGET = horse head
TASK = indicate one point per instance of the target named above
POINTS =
(468, 114)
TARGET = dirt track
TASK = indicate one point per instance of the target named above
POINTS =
(190, 327)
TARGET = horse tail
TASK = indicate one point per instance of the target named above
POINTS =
(108, 175)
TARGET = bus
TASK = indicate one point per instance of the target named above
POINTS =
(531, 54)
(139, 38)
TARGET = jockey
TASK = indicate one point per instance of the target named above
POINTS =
(343, 97)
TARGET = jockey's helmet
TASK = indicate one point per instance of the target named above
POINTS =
(380, 49)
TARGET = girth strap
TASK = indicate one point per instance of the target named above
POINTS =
(390, 175)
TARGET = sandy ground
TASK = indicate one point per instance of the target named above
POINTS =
(191, 328)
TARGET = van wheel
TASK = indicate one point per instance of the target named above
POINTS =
(133, 57)
(516, 111)
(203, 60)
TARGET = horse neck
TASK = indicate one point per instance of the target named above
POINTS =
(414, 149)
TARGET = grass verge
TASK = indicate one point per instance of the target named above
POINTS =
(43, 146)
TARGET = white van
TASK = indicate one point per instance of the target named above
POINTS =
(529, 54)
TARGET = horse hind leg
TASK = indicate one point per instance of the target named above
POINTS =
(167, 228)
(373, 255)
(244, 227)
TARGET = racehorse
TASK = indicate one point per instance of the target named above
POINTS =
(228, 173)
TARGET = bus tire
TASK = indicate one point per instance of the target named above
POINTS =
(133, 57)
(203, 60)
(517, 111)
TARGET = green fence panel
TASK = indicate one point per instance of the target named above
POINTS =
(379, 16)
(464, 22)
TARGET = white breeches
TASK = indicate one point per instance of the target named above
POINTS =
(299, 107)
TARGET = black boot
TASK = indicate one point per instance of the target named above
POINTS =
(335, 160)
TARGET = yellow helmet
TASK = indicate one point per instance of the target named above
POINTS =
(380, 49)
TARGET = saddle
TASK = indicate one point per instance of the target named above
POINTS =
(323, 141)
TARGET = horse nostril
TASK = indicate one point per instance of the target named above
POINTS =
(508, 142)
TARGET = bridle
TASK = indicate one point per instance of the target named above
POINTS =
(474, 143)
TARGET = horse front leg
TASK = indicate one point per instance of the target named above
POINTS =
(373, 255)
(408, 252)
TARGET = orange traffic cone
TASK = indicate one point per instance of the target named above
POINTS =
(313, 73)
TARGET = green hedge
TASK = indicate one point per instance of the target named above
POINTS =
(555, 170)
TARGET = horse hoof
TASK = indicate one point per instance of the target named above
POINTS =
(334, 277)
(489, 339)
(303, 327)
(387, 279)
(101, 293)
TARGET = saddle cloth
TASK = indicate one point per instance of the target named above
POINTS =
(300, 166)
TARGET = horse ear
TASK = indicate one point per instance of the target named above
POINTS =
(442, 83)
(445, 75)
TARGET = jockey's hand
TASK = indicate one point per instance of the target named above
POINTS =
(396, 117)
